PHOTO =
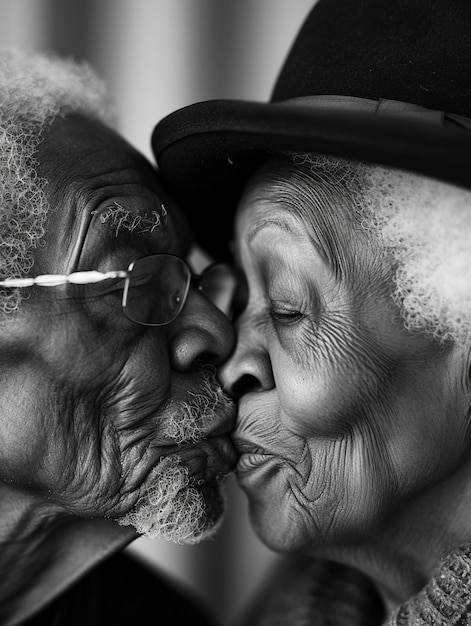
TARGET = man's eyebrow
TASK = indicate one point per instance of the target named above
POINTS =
(282, 224)
(120, 218)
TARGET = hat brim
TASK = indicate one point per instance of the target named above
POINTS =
(207, 150)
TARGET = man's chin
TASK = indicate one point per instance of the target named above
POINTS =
(215, 505)
(174, 509)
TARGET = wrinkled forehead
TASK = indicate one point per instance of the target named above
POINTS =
(103, 195)
(316, 207)
(116, 224)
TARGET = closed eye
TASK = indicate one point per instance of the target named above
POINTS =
(285, 315)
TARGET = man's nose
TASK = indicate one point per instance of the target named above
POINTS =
(201, 334)
(249, 367)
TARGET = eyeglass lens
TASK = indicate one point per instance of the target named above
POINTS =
(218, 283)
(156, 289)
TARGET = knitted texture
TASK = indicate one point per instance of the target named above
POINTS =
(310, 592)
(446, 599)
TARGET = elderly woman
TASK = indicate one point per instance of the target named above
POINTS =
(352, 366)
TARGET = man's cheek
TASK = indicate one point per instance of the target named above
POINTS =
(47, 437)
(29, 425)
(90, 357)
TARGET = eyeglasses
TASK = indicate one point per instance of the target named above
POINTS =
(155, 289)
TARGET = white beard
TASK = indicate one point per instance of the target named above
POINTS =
(171, 508)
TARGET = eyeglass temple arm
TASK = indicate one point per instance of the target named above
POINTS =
(76, 278)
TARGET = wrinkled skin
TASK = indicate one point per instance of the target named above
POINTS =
(343, 414)
(87, 394)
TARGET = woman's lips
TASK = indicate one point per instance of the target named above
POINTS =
(251, 456)
(250, 461)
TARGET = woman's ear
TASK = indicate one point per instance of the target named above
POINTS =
(466, 373)
(458, 372)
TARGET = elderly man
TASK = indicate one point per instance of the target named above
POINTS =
(353, 359)
(111, 423)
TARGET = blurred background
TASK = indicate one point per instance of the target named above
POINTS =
(157, 56)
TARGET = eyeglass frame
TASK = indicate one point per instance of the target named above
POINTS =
(89, 277)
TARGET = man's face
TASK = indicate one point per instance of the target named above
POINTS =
(102, 417)
(343, 414)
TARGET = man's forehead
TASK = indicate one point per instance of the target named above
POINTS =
(81, 233)
(100, 190)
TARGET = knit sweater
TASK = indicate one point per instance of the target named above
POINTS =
(446, 599)
(311, 592)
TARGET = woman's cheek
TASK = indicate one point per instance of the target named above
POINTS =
(315, 403)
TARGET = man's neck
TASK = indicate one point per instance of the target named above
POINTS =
(44, 552)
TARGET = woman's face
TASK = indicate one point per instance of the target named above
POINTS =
(343, 414)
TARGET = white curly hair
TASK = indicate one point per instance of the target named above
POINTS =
(35, 88)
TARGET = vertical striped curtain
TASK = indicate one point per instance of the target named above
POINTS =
(156, 56)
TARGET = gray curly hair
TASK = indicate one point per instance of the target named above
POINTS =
(34, 89)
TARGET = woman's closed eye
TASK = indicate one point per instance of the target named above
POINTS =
(284, 313)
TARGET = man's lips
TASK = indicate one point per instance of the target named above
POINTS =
(210, 453)
(208, 460)
(223, 424)
(247, 445)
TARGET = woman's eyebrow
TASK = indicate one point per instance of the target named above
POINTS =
(282, 224)
(327, 246)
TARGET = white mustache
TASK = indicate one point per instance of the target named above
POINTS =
(190, 423)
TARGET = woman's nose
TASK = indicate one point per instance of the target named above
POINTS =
(201, 334)
(249, 367)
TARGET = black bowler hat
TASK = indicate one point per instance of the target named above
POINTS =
(382, 81)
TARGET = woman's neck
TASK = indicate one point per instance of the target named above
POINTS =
(406, 550)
